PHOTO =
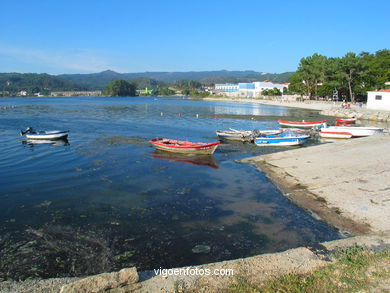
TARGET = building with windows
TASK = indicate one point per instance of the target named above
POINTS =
(227, 87)
(248, 90)
(378, 100)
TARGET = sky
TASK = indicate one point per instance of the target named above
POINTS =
(85, 36)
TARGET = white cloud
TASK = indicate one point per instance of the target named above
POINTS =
(60, 61)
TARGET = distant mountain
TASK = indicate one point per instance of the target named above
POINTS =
(100, 80)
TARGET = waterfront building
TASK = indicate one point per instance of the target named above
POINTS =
(248, 90)
(227, 87)
(378, 100)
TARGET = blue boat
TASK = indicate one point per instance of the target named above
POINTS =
(283, 139)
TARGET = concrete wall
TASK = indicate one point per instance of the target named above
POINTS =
(378, 100)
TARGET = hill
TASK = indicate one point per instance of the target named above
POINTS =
(35, 83)
(100, 80)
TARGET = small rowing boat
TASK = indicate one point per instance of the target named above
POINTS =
(187, 147)
(343, 121)
(355, 131)
(331, 134)
(302, 124)
(283, 139)
(244, 135)
(30, 133)
(232, 134)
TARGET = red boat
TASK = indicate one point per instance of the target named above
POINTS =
(345, 121)
(301, 124)
(186, 147)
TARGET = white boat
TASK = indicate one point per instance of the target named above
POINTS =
(331, 134)
(30, 133)
(244, 135)
(355, 131)
(232, 134)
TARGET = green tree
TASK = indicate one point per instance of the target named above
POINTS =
(378, 68)
(352, 69)
(311, 71)
(186, 92)
(297, 86)
(120, 88)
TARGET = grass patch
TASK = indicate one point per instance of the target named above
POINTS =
(355, 269)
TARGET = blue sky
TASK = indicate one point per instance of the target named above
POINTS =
(83, 36)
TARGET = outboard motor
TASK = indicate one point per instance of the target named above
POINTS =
(28, 130)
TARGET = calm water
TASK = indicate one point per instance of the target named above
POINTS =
(106, 199)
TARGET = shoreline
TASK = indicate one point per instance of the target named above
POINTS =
(324, 107)
(309, 104)
(340, 181)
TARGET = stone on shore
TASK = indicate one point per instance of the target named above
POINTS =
(103, 282)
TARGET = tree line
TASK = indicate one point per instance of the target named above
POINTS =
(350, 76)
(33, 83)
(152, 87)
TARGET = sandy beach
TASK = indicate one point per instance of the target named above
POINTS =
(350, 177)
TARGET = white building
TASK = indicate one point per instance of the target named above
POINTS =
(266, 85)
(378, 100)
(249, 90)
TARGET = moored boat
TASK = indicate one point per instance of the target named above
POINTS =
(283, 139)
(344, 121)
(187, 147)
(331, 134)
(355, 131)
(302, 124)
(30, 133)
(232, 134)
(244, 135)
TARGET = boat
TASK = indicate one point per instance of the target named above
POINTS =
(187, 147)
(243, 135)
(283, 139)
(232, 134)
(30, 133)
(302, 124)
(331, 134)
(355, 131)
(345, 121)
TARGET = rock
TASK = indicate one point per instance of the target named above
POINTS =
(103, 282)
(201, 249)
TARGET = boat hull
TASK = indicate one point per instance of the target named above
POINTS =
(234, 135)
(346, 121)
(244, 135)
(281, 140)
(185, 147)
(302, 124)
(47, 135)
(356, 131)
(331, 134)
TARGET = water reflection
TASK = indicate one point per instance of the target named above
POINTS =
(57, 142)
(205, 160)
(249, 109)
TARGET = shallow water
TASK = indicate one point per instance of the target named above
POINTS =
(105, 199)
